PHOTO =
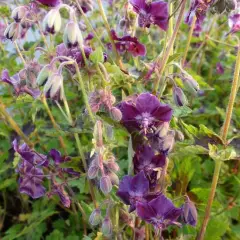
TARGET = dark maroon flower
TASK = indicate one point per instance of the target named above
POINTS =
(151, 13)
(160, 212)
(19, 85)
(144, 112)
(146, 160)
(30, 170)
(51, 3)
(129, 44)
(59, 159)
(234, 23)
(219, 68)
(134, 189)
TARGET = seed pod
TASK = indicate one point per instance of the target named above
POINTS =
(105, 184)
(93, 171)
(12, 31)
(107, 226)
(179, 97)
(116, 114)
(52, 21)
(162, 130)
(19, 13)
(95, 217)
(72, 35)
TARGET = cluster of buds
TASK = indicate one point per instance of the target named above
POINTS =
(103, 99)
(103, 166)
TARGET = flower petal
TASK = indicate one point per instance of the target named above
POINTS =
(139, 185)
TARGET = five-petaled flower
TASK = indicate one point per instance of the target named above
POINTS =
(151, 13)
(135, 189)
(144, 112)
(160, 212)
(129, 44)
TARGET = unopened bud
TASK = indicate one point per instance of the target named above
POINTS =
(179, 135)
(116, 114)
(72, 35)
(190, 84)
(52, 21)
(43, 75)
(12, 31)
(168, 142)
(113, 166)
(189, 213)
(93, 171)
(123, 23)
(105, 184)
(22, 74)
(179, 97)
(114, 178)
(162, 130)
(95, 217)
(19, 13)
(53, 87)
(98, 133)
(107, 226)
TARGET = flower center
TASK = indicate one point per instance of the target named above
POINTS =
(144, 19)
(144, 120)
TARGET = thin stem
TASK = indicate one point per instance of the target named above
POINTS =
(224, 134)
(169, 48)
(42, 35)
(146, 231)
(19, 53)
(14, 125)
(189, 40)
(109, 33)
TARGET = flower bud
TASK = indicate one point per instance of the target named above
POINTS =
(162, 130)
(93, 171)
(107, 226)
(53, 87)
(113, 166)
(72, 35)
(168, 142)
(95, 217)
(189, 213)
(19, 13)
(52, 21)
(190, 84)
(116, 114)
(123, 23)
(179, 135)
(114, 178)
(98, 133)
(105, 184)
(179, 97)
(43, 75)
(12, 31)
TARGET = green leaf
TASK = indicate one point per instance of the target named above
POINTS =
(181, 111)
(222, 154)
(97, 56)
(55, 235)
(210, 133)
(7, 182)
(74, 164)
(174, 57)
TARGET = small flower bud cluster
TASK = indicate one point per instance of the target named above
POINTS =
(103, 166)
(103, 99)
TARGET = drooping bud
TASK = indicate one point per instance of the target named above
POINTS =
(114, 178)
(12, 31)
(113, 166)
(98, 133)
(43, 75)
(93, 171)
(107, 226)
(168, 142)
(190, 84)
(52, 21)
(72, 35)
(116, 114)
(179, 97)
(95, 217)
(19, 13)
(53, 87)
(189, 212)
(179, 135)
(162, 130)
(105, 184)
(123, 23)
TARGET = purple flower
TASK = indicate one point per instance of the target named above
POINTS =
(2, 30)
(219, 68)
(151, 13)
(144, 112)
(59, 159)
(18, 85)
(30, 170)
(129, 44)
(51, 3)
(160, 212)
(145, 159)
(134, 189)
(234, 23)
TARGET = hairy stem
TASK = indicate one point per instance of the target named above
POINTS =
(224, 134)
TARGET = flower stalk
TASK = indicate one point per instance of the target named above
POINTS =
(224, 134)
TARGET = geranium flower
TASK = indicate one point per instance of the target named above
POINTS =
(145, 160)
(151, 13)
(144, 112)
(160, 212)
(234, 23)
(51, 3)
(135, 189)
(219, 68)
(129, 44)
